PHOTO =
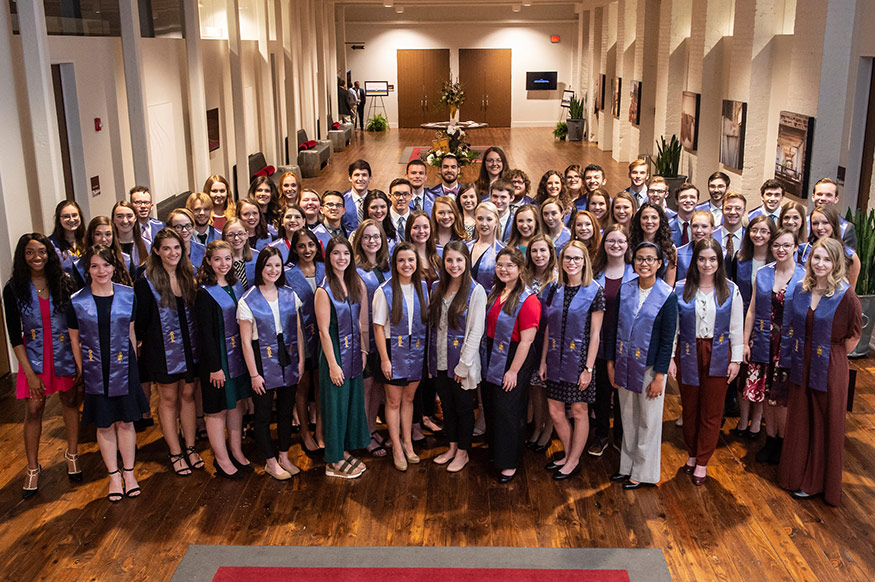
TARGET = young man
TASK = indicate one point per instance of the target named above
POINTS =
(593, 179)
(500, 194)
(772, 193)
(360, 180)
(400, 193)
(421, 198)
(718, 184)
(520, 182)
(449, 172)
(827, 192)
(333, 213)
(686, 197)
(701, 226)
(657, 191)
(141, 198)
(638, 180)
(201, 206)
(734, 205)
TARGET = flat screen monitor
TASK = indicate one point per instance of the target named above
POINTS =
(376, 88)
(541, 81)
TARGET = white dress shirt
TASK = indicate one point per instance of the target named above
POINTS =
(244, 313)
(706, 313)
(382, 310)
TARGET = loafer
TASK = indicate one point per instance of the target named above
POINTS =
(629, 486)
(540, 448)
(688, 469)
(505, 479)
(800, 494)
(560, 476)
(597, 449)
(617, 477)
(281, 475)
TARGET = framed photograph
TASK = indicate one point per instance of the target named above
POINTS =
(213, 128)
(690, 104)
(635, 103)
(601, 92)
(376, 88)
(596, 102)
(733, 123)
(793, 156)
(566, 98)
(615, 97)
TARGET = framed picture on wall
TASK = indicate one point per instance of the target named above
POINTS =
(793, 156)
(615, 97)
(603, 85)
(635, 103)
(690, 120)
(596, 102)
(213, 128)
(733, 123)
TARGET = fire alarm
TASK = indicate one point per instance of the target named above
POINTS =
(98, 125)
(554, 38)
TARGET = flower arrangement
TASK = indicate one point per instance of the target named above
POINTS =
(453, 93)
(451, 141)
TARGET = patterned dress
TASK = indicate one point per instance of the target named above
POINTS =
(768, 382)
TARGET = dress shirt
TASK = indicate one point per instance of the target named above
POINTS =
(475, 324)
(706, 312)
(736, 240)
(395, 217)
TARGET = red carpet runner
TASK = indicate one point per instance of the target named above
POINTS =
(235, 574)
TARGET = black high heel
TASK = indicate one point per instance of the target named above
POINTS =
(115, 497)
(235, 476)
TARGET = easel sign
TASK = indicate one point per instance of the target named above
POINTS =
(567, 95)
(376, 88)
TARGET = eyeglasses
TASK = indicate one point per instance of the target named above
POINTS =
(370, 237)
(615, 243)
(236, 235)
(783, 247)
(331, 205)
(505, 266)
(648, 260)
(573, 260)
(182, 227)
(402, 194)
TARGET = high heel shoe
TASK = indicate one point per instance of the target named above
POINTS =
(401, 466)
(413, 458)
(74, 471)
(198, 462)
(115, 497)
(241, 468)
(133, 491)
(31, 482)
(235, 476)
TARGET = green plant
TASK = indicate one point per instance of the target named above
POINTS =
(668, 157)
(865, 227)
(575, 108)
(561, 130)
(378, 123)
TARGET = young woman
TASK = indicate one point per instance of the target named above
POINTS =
(263, 191)
(371, 254)
(485, 246)
(701, 226)
(68, 236)
(418, 232)
(101, 328)
(512, 317)
(225, 383)
(525, 226)
(124, 216)
(289, 187)
(343, 334)
(311, 202)
(825, 325)
(223, 204)
(598, 202)
(766, 381)
(623, 208)
(253, 220)
(456, 317)
(637, 367)
(552, 211)
(585, 228)
(793, 218)
(273, 349)
(494, 166)
(305, 271)
(101, 231)
(446, 222)
(574, 182)
(35, 300)
(709, 351)
(292, 222)
(234, 233)
(573, 311)
(400, 314)
(168, 352)
(651, 224)
(825, 224)
(467, 201)
(182, 221)
(552, 187)
(376, 205)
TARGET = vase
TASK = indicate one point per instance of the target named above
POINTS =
(454, 113)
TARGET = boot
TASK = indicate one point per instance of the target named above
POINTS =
(775, 456)
(765, 453)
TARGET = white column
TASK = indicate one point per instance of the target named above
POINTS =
(281, 123)
(267, 108)
(197, 100)
(135, 89)
(289, 81)
(331, 67)
(241, 156)
(321, 33)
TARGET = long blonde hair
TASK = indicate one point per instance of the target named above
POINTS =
(230, 206)
(836, 252)
(586, 275)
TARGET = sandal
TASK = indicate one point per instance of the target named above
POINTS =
(377, 446)
(184, 470)
(31, 482)
(345, 469)
(201, 433)
(115, 497)
(133, 492)
(198, 464)
(74, 471)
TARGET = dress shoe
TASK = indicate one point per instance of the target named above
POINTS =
(800, 494)
(617, 477)
(540, 448)
(688, 469)
(560, 476)
(505, 479)
(281, 475)
(241, 468)
(552, 466)
(235, 476)
(628, 485)
(401, 466)
(699, 480)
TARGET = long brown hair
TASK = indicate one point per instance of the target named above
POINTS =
(549, 270)
(625, 196)
(358, 252)
(460, 301)
(515, 236)
(230, 207)
(517, 258)
(120, 274)
(747, 247)
(116, 247)
(261, 227)
(482, 183)
(142, 253)
(592, 245)
(78, 234)
(415, 280)
(458, 227)
(600, 262)
(156, 273)
(800, 235)
(691, 285)
(350, 276)
(430, 270)
(206, 275)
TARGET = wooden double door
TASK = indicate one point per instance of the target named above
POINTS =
(485, 75)
(421, 75)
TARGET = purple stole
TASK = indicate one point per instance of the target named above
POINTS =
(231, 328)
(120, 349)
(485, 274)
(196, 253)
(762, 323)
(455, 337)
(685, 256)
(743, 276)
(634, 332)
(348, 333)
(274, 374)
(687, 337)
(281, 245)
(565, 350)
(628, 275)
(407, 348)
(298, 282)
(804, 251)
(171, 331)
(67, 258)
(821, 339)
(372, 279)
(501, 342)
(32, 329)
(250, 269)
(562, 240)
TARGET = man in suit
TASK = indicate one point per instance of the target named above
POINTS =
(734, 205)
(657, 190)
(360, 180)
(500, 194)
(772, 194)
(342, 103)
(201, 207)
(421, 199)
(718, 184)
(826, 192)
(638, 181)
(686, 197)
(141, 198)
(449, 172)
(360, 93)
(400, 193)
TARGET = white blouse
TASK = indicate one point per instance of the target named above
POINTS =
(382, 311)
(244, 313)
(706, 313)
(475, 324)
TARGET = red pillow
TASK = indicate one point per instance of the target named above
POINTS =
(335, 125)
(305, 146)
(311, 144)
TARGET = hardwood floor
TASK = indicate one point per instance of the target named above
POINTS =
(738, 526)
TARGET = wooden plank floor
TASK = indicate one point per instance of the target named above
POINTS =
(739, 526)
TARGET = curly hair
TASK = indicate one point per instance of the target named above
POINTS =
(59, 283)
(836, 251)
(662, 236)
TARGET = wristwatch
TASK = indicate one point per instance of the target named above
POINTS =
(587, 369)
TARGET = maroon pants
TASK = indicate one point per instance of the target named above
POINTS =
(702, 406)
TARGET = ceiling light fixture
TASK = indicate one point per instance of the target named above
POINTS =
(517, 7)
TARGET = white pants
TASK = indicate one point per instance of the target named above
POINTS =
(642, 432)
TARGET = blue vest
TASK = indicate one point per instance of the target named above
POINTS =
(32, 329)
(231, 331)
(120, 350)
(494, 372)
(455, 337)
(66, 257)
(804, 251)
(635, 331)
(275, 375)
(250, 269)
(407, 347)
(260, 243)
(298, 282)
(485, 274)
(350, 220)
(372, 279)
(687, 337)
(821, 340)
(171, 331)
(762, 323)
(322, 234)
(348, 334)
(565, 349)
(280, 245)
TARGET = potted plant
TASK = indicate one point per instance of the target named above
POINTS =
(378, 123)
(560, 131)
(865, 225)
(575, 119)
(668, 160)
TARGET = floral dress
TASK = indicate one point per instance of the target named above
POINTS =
(768, 382)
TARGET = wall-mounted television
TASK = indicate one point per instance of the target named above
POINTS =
(541, 80)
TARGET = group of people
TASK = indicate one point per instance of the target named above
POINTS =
(564, 304)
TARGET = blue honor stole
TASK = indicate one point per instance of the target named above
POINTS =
(634, 332)
(628, 275)
(455, 337)
(501, 342)
(171, 331)
(821, 339)
(120, 349)
(348, 333)
(719, 365)
(33, 332)
(407, 348)
(743, 278)
(762, 323)
(562, 239)
(228, 307)
(565, 350)
(298, 282)
(685, 256)
(275, 375)
(372, 279)
(485, 274)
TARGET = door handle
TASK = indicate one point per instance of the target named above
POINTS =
(426, 101)
(487, 100)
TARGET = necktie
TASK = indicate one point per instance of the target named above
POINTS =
(359, 208)
(730, 246)
(685, 234)
(417, 203)
(400, 228)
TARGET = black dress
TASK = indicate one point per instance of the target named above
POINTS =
(153, 362)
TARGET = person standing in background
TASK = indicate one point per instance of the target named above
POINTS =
(360, 94)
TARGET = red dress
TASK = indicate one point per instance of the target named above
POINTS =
(52, 383)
